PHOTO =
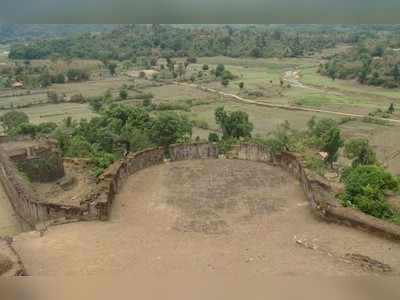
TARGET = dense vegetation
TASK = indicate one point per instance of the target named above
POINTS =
(373, 61)
(133, 41)
(13, 32)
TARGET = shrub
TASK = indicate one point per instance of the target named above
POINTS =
(78, 98)
(360, 152)
(213, 137)
(315, 164)
(200, 124)
(123, 94)
(365, 188)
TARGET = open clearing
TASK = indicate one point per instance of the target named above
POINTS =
(207, 216)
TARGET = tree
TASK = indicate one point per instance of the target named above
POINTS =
(96, 103)
(169, 128)
(76, 75)
(213, 137)
(181, 70)
(225, 82)
(233, 124)
(205, 67)
(363, 74)
(360, 152)
(332, 70)
(45, 79)
(391, 108)
(332, 142)
(123, 94)
(112, 68)
(59, 78)
(52, 96)
(396, 72)
(219, 71)
(241, 85)
(12, 119)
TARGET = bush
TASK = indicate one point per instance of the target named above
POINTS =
(144, 96)
(225, 145)
(315, 164)
(365, 188)
(123, 94)
(213, 137)
(78, 98)
(360, 152)
(200, 124)
(147, 102)
(76, 75)
(12, 119)
(205, 67)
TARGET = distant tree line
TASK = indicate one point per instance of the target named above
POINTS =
(372, 61)
(132, 41)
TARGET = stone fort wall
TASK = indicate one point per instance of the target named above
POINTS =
(316, 189)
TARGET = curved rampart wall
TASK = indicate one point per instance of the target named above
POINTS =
(317, 190)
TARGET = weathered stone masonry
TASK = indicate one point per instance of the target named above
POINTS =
(317, 190)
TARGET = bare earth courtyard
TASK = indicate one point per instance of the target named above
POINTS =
(219, 216)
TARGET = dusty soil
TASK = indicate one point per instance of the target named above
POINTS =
(76, 186)
(9, 224)
(214, 217)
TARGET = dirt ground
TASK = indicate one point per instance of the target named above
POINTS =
(76, 186)
(220, 217)
(9, 224)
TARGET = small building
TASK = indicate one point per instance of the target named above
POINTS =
(323, 155)
(17, 85)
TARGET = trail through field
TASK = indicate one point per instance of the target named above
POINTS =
(282, 106)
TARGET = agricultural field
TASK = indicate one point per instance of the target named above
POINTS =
(261, 78)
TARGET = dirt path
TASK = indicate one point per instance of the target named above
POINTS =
(220, 217)
(9, 224)
(282, 106)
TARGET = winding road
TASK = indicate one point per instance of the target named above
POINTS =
(295, 83)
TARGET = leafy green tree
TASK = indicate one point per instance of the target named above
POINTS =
(225, 82)
(391, 108)
(112, 67)
(219, 71)
(213, 137)
(12, 119)
(332, 142)
(45, 79)
(360, 152)
(233, 124)
(59, 78)
(169, 128)
(332, 70)
(123, 94)
(96, 103)
(241, 85)
(76, 75)
(396, 72)
(181, 70)
(363, 74)
(52, 96)
(205, 67)
(319, 128)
